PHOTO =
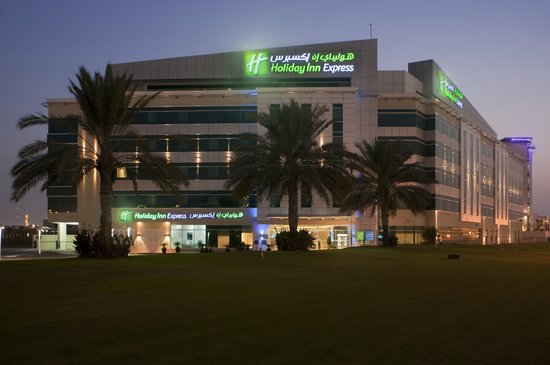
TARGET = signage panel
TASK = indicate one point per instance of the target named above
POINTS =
(263, 63)
(448, 90)
(185, 215)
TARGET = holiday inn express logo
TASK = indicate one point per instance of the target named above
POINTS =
(262, 63)
(130, 215)
(256, 63)
(125, 215)
(449, 90)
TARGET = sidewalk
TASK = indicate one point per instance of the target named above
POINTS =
(32, 254)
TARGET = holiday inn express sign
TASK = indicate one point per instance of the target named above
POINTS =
(167, 215)
(448, 90)
(262, 63)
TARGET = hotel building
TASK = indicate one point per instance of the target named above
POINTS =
(482, 185)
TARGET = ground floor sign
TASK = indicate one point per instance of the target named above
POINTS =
(184, 215)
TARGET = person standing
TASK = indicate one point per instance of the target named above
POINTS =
(263, 247)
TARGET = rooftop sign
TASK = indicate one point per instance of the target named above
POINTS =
(450, 91)
(262, 63)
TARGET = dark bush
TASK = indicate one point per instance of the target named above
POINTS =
(390, 241)
(83, 244)
(429, 235)
(95, 246)
(300, 241)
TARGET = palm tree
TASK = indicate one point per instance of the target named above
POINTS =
(288, 159)
(108, 109)
(384, 180)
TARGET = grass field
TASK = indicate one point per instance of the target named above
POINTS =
(408, 305)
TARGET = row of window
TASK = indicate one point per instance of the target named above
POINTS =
(487, 150)
(449, 155)
(515, 167)
(191, 199)
(447, 178)
(337, 123)
(183, 143)
(515, 215)
(515, 192)
(445, 203)
(252, 84)
(427, 148)
(62, 138)
(197, 115)
(414, 118)
(306, 200)
(487, 210)
(488, 190)
(193, 171)
(62, 204)
(63, 125)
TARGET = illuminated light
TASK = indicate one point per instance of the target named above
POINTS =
(140, 217)
(449, 90)
(261, 64)
(121, 173)
(255, 63)
(521, 139)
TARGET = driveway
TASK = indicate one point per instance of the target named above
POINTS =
(14, 253)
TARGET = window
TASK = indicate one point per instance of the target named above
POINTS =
(274, 200)
(121, 173)
(306, 198)
(337, 123)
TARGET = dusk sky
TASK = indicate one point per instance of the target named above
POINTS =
(496, 52)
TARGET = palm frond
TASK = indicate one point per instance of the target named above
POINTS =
(385, 179)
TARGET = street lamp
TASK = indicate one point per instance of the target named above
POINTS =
(437, 237)
(1, 229)
(39, 243)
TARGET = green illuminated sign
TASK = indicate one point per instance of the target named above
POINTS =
(449, 90)
(255, 63)
(125, 215)
(261, 63)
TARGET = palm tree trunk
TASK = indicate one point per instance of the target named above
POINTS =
(293, 207)
(106, 203)
(385, 217)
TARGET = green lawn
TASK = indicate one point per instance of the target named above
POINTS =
(408, 305)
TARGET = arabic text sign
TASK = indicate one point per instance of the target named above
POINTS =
(127, 215)
(261, 63)
(449, 90)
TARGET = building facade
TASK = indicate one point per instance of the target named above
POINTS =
(481, 189)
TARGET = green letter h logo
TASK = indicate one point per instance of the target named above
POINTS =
(125, 215)
(255, 63)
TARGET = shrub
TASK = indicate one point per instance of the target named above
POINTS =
(83, 244)
(122, 245)
(390, 241)
(94, 246)
(301, 241)
(429, 235)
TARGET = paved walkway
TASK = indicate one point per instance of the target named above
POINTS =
(32, 254)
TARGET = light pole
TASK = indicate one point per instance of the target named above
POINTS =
(437, 237)
(39, 243)
(1, 231)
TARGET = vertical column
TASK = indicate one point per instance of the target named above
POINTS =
(62, 236)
